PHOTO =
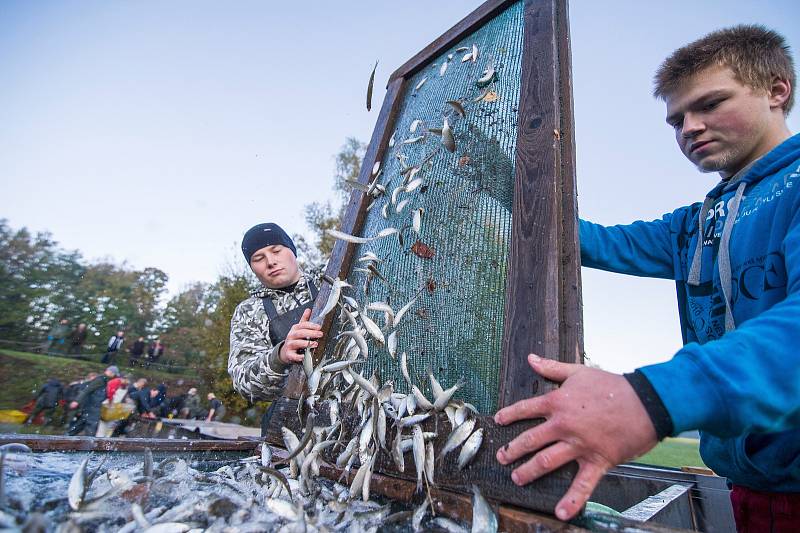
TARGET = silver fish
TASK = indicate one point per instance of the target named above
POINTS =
(376, 167)
(458, 107)
(358, 479)
(347, 453)
(412, 185)
(412, 420)
(385, 211)
(470, 448)
(396, 192)
(148, 463)
(416, 220)
(404, 368)
(76, 491)
(373, 329)
(483, 518)
(370, 85)
(368, 479)
(336, 291)
(474, 53)
(397, 451)
(364, 383)
(359, 339)
(429, 462)
(266, 454)
(419, 515)
(422, 401)
(461, 49)
(419, 454)
(461, 415)
(457, 437)
(403, 310)
(436, 388)
(412, 140)
(308, 359)
(391, 141)
(391, 343)
(420, 84)
(400, 206)
(415, 125)
(448, 140)
(448, 525)
(486, 79)
(346, 237)
(443, 68)
(441, 401)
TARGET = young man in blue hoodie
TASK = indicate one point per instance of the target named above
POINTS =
(736, 260)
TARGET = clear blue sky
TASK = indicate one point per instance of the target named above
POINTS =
(156, 132)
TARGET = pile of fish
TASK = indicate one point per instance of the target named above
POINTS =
(172, 496)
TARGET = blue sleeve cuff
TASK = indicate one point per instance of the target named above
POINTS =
(688, 394)
(652, 403)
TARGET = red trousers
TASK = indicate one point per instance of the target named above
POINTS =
(765, 512)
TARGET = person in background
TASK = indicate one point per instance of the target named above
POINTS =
(114, 345)
(116, 396)
(136, 351)
(191, 405)
(76, 340)
(56, 336)
(71, 392)
(89, 402)
(158, 401)
(155, 351)
(46, 401)
(216, 411)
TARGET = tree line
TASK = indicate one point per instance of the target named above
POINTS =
(41, 283)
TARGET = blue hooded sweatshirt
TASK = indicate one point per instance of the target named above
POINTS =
(737, 377)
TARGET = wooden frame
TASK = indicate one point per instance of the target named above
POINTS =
(543, 290)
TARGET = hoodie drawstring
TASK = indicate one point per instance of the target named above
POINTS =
(724, 256)
(694, 271)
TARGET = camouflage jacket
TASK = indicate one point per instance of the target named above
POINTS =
(253, 364)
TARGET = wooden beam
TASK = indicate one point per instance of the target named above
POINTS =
(542, 316)
(459, 506)
(467, 25)
(493, 478)
(355, 213)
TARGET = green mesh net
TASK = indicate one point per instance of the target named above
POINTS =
(456, 265)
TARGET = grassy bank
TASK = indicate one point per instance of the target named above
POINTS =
(23, 373)
(675, 453)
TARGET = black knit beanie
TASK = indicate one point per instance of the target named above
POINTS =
(262, 235)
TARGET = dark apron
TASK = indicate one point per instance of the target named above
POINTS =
(279, 326)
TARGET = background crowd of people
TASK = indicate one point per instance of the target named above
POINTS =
(99, 404)
(62, 338)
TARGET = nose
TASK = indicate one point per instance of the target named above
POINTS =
(692, 126)
(271, 258)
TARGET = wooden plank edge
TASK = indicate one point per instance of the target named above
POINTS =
(465, 26)
(48, 443)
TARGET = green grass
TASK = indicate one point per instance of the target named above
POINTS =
(676, 452)
(23, 373)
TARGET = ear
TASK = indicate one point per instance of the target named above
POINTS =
(779, 93)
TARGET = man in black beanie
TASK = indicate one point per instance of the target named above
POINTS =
(270, 330)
